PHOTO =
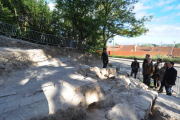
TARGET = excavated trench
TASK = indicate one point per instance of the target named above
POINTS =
(91, 99)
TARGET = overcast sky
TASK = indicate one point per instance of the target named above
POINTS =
(164, 27)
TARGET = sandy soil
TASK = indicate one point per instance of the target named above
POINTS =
(18, 55)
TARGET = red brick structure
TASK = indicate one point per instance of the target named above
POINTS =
(134, 50)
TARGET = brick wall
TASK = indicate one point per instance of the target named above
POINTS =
(135, 53)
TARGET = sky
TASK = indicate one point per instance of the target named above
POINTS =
(164, 28)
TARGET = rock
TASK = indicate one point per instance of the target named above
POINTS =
(2, 66)
(112, 71)
(100, 76)
(83, 69)
(94, 70)
(92, 75)
(167, 107)
(111, 76)
(121, 76)
(121, 112)
(103, 71)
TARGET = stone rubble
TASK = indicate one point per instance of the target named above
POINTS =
(65, 87)
(167, 107)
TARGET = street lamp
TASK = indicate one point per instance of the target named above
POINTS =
(113, 45)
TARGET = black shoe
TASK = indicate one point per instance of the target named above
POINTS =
(160, 91)
(169, 94)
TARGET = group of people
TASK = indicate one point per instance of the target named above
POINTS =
(162, 75)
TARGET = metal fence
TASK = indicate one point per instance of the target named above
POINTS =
(34, 36)
(176, 88)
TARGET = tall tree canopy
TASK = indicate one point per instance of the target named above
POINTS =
(93, 22)
(27, 13)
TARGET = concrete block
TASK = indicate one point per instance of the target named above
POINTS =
(12, 105)
(26, 101)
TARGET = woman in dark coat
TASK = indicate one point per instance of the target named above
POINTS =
(155, 76)
(161, 75)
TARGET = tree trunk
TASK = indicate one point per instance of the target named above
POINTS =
(104, 35)
(105, 43)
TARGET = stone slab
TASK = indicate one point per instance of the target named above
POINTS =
(26, 101)
(167, 107)
(39, 97)
(2, 100)
(4, 93)
(2, 108)
(12, 105)
(13, 97)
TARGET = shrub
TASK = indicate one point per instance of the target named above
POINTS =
(110, 65)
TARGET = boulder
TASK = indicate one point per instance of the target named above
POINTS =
(112, 71)
(83, 69)
(111, 76)
(121, 112)
(92, 75)
(94, 70)
(103, 71)
(167, 107)
(101, 76)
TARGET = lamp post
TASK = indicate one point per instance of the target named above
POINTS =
(113, 47)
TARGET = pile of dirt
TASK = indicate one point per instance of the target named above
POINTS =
(19, 55)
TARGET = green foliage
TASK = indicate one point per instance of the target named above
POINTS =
(118, 18)
(33, 14)
(117, 68)
(177, 45)
(110, 65)
(147, 45)
(92, 22)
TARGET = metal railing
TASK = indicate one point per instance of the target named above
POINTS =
(176, 88)
(34, 36)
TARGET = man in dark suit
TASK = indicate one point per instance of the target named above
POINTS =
(147, 72)
(170, 77)
(135, 67)
(105, 58)
(145, 60)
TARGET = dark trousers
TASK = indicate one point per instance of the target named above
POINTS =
(156, 83)
(146, 79)
(105, 64)
(162, 85)
(168, 90)
(134, 72)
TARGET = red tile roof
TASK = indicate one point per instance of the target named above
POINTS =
(176, 52)
(116, 48)
(163, 49)
(126, 48)
(139, 48)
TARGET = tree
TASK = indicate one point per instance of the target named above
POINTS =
(177, 45)
(80, 16)
(119, 19)
(27, 13)
(147, 45)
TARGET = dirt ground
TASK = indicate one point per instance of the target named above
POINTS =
(19, 55)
